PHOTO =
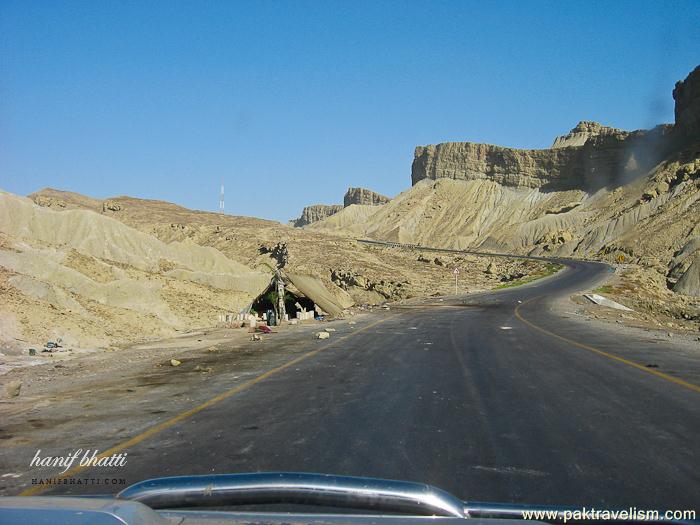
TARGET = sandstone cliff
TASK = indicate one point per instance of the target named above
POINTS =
(354, 196)
(604, 160)
(316, 212)
(363, 197)
(599, 192)
(687, 109)
(584, 131)
(591, 156)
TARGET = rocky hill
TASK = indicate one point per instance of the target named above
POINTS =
(603, 160)
(100, 272)
(89, 279)
(687, 108)
(315, 213)
(97, 272)
(584, 131)
(354, 196)
(363, 197)
(599, 192)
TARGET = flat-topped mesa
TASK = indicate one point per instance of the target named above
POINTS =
(315, 213)
(589, 157)
(364, 196)
(605, 159)
(585, 130)
(318, 212)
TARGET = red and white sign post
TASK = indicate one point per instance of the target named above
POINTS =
(455, 272)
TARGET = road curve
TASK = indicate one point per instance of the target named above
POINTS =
(493, 397)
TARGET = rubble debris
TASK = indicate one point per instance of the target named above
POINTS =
(255, 337)
(322, 335)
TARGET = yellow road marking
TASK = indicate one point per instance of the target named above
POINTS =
(192, 411)
(685, 384)
(428, 305)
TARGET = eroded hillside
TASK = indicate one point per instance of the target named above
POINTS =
(89, 280)
(599, 192)
(96, 272)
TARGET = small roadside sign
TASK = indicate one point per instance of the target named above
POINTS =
(456, 271)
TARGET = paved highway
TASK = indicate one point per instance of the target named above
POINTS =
(493, 397)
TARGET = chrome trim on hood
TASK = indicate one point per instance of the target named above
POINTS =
(300, 488)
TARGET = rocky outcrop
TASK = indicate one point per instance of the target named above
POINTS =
(317, 212)
(584, 131)
(364, 196)
(608, 159)
(591, 156)
(687, 109)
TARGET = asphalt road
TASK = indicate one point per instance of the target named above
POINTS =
(492, 397)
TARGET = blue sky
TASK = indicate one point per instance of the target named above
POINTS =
(292, 102)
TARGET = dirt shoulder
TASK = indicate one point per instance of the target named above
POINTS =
(112, 396)
(654, 307)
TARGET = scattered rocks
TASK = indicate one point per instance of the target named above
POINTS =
(175, 362)
(322, 335)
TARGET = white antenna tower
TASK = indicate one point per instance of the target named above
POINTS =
(221, 198)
